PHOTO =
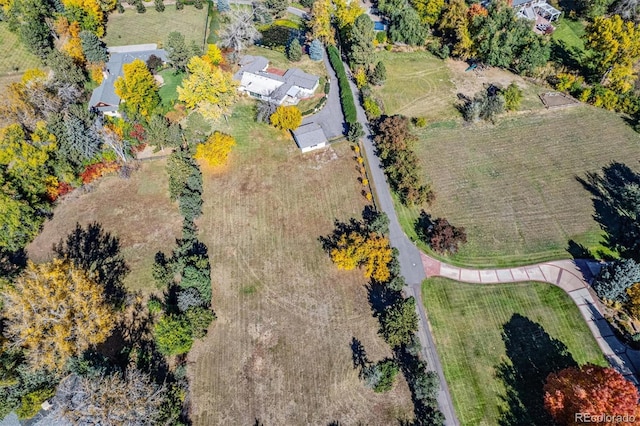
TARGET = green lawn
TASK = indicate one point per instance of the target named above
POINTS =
(571, 33)
(153, 27)
(418, 85)
(479, 327)
(167, 92)
(15, 57)
(513, 185)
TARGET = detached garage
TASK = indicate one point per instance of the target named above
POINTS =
(310, 136)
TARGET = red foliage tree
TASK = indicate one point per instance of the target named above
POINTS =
(591, 390)
(138, 133)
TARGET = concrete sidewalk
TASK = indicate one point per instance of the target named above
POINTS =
(571, 276)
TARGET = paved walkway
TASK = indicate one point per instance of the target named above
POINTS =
(571, 276)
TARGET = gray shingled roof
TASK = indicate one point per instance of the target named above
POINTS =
(300, 78)
(104, 97)
(309, 135)
(252, 64)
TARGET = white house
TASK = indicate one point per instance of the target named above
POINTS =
(532, 9)
(286, 89)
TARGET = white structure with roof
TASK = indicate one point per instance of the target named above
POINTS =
(532, 9)
(309, 137)
(286, 89)
(104, 97)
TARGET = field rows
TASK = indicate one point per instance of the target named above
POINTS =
(513, 185)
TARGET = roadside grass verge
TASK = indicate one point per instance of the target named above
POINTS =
(478, 327)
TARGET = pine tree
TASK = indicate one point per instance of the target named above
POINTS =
(159, 5)
(94, 49)
(223, 6)
(379, 74)
(294, 51)
(197, 4)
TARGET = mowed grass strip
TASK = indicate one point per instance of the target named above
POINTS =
(15, 58)
(468, 322)
(513, 185)
(131, 27)
(418, 85)
(279, 351)
(136, 210)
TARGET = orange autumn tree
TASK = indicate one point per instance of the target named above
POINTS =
(371, 251)
(591, 390)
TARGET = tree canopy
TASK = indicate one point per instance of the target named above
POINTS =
(137, 88)
(55, 311)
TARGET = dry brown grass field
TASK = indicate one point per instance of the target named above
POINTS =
(137, 210)
(279, 351)
(513, 185)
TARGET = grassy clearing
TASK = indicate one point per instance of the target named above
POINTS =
(418, 85)
(468, 322)
(280, 349)
(279, 60)
(15, 57)
(136, 210)
(570, 32)
(153, 27)
(513, 185)
(168, 93)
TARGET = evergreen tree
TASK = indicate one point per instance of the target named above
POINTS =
(177, 50)
(361, 52)
(94, 49)
(179, 4)
(277, 7)
(36, 36)
(316, 50)
(159, 5)
(197, 4)
(140, 7)
(294, 51)
(379, 74)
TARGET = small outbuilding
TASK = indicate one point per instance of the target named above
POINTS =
(309, 137)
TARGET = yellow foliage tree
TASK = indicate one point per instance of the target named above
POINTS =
(320, 22)
(73, 44)
(92, 11)
(346, 12)
(215, 151)
(347, 252)
(137, 88)
(213, 55)
(361, 78)
(634, 300)
(54, 311)
(209, 90)
(428, 10)
(286, 117)
(616, 46)
(371, 251)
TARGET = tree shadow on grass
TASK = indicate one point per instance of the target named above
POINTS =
(533, 355)
(616, 194)
(97, 252)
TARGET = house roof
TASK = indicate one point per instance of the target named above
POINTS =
(308, 135)
(301, 78)
(251, 64)
(104, 97)
(290, 83)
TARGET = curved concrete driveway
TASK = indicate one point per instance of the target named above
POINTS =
(571, 276)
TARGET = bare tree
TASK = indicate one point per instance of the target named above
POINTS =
(240, 31)
(113, 141)
(628, 10)
(115, 399)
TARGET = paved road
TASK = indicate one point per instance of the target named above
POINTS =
(410, 264)
(330, 117)
(574, 277)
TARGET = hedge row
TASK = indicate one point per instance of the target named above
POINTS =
(346, 97)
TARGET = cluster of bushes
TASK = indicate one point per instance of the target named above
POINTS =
(490, 102)
(186, 275)
(346, 97)
(397, 318)
(441, 236)
(394, 142)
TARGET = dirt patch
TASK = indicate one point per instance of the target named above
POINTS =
(276, 71)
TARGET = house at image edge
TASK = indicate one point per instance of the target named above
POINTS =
(285, 89)
(104, 98)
